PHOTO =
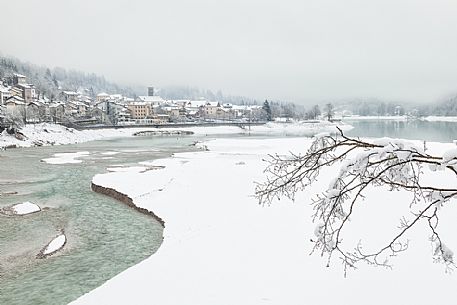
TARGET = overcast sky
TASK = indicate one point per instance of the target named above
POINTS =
(304, 51)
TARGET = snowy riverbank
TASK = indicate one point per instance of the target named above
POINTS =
(52, 134)
(221, 247)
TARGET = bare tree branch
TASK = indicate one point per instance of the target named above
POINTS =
(393, 164)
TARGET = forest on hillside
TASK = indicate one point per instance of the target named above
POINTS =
(51, 81)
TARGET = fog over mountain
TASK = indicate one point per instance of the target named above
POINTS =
(301, 51)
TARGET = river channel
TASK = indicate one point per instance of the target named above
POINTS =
(104, 236)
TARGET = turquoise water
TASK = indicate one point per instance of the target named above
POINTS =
(413, 130)
(104, 236)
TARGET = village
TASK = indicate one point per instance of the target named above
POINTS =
(22, 103)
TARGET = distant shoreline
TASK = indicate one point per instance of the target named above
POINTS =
(169, 125)
(46, 134)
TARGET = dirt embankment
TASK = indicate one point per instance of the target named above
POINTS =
(124, 199)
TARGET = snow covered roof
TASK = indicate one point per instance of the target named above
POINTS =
(103, 94)
(16, 100)
(116, 96)
(78, 104)
(169, 108)
(25, 86)
(151, 99)
(138, 104)
(33, 103)
(212, 104)
(19, 75)
(196, 103)
(245, 107)
(56, 104)
(70, 93)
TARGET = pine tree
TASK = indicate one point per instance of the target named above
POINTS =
(267, 109)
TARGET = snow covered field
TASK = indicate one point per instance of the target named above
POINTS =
(52, 134)
(441, 119)
(221, 247)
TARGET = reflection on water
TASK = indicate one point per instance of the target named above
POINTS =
(414, 129)
(105, 237)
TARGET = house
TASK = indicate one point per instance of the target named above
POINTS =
(97, 114)
(140, 110)
(4, 94)
(195, 108)
(246, 111)
(161, 119)
(57, 111)
(70, 109)
(101, 97)
(28, 92)
(81, 108)
(16, 91)
(123, 115)
(181, 103)
(15, 107)
(69, 96)
(213, 110)
(35, 112)
(173, 112)
(19, 79)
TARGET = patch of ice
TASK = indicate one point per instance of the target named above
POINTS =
(110, 153)
(25, 208)
(55, 245)
(66, 158)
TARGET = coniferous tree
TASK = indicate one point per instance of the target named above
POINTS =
(267, 109)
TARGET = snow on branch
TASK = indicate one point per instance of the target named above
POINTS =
(393, 164)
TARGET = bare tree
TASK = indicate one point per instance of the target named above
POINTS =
(393, 164)
(329, 111)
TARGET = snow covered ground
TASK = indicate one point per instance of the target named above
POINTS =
(441, 119)
(221, 247)
(52, 134)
